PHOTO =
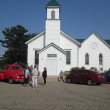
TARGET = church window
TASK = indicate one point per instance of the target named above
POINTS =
(100, 59)
(36, 58)
(68, 57)
(52, 55)
(87, 59)
(52, 14)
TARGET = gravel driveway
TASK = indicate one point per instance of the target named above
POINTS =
(54, 96)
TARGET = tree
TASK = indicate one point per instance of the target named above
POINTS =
(15, 38)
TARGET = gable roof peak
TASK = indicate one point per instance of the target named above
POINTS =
(95, 33)
(55, 46)
(99, 37)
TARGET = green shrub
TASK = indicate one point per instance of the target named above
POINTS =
(94, 68)
(2, 68)
(83, 68)
(74, 69)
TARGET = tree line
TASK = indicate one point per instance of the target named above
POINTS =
(14, 42)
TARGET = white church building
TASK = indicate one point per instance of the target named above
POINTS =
(57, 51)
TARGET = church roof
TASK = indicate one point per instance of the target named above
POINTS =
(76, 41)
(70, 38)
(81, 40)
(55, 46)
(52, 3)
(37, 36)
(107, 42)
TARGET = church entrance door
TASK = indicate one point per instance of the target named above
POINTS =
(51, 67)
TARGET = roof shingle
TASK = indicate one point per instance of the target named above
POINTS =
(53, 3)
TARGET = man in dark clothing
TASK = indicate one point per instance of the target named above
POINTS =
(44, 75)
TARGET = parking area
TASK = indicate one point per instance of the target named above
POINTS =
(54, 96)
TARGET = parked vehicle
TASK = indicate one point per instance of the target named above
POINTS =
(12, 73)
(108, 76)
(86, 76)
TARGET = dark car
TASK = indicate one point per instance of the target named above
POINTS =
(86, 76)
(108, 77)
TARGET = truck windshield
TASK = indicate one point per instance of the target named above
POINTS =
(16, 68)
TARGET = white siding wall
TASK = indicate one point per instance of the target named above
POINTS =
(61, 59)
(93, 46)
(52, 32)
(67, 44)
(36, 44)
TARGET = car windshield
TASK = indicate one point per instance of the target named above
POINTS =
(16, 68)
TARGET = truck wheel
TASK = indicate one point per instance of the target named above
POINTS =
(89, 82)
(10, 80)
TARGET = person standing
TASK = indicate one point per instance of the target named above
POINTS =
(26, 77)
(44, 75)
(31, 69)
(61, 76)
(34, 76)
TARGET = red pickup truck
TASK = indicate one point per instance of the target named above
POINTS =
(12, 73)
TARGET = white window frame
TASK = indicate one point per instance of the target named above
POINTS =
(68, 57)
(86, 59)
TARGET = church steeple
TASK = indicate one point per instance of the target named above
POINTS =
(53, 9)
(52, 25)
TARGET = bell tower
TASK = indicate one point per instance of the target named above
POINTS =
(52, 24)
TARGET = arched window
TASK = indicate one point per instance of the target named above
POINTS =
(87, 59)
(52, 14)
(100, 59)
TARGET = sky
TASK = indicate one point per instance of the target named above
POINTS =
(79, 18)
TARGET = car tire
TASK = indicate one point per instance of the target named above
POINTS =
(90, 82)
(68, 81)
(11, 80)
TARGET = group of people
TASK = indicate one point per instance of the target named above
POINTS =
(32, 73)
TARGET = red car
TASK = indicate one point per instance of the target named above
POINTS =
(12, 73)
(86, 76)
